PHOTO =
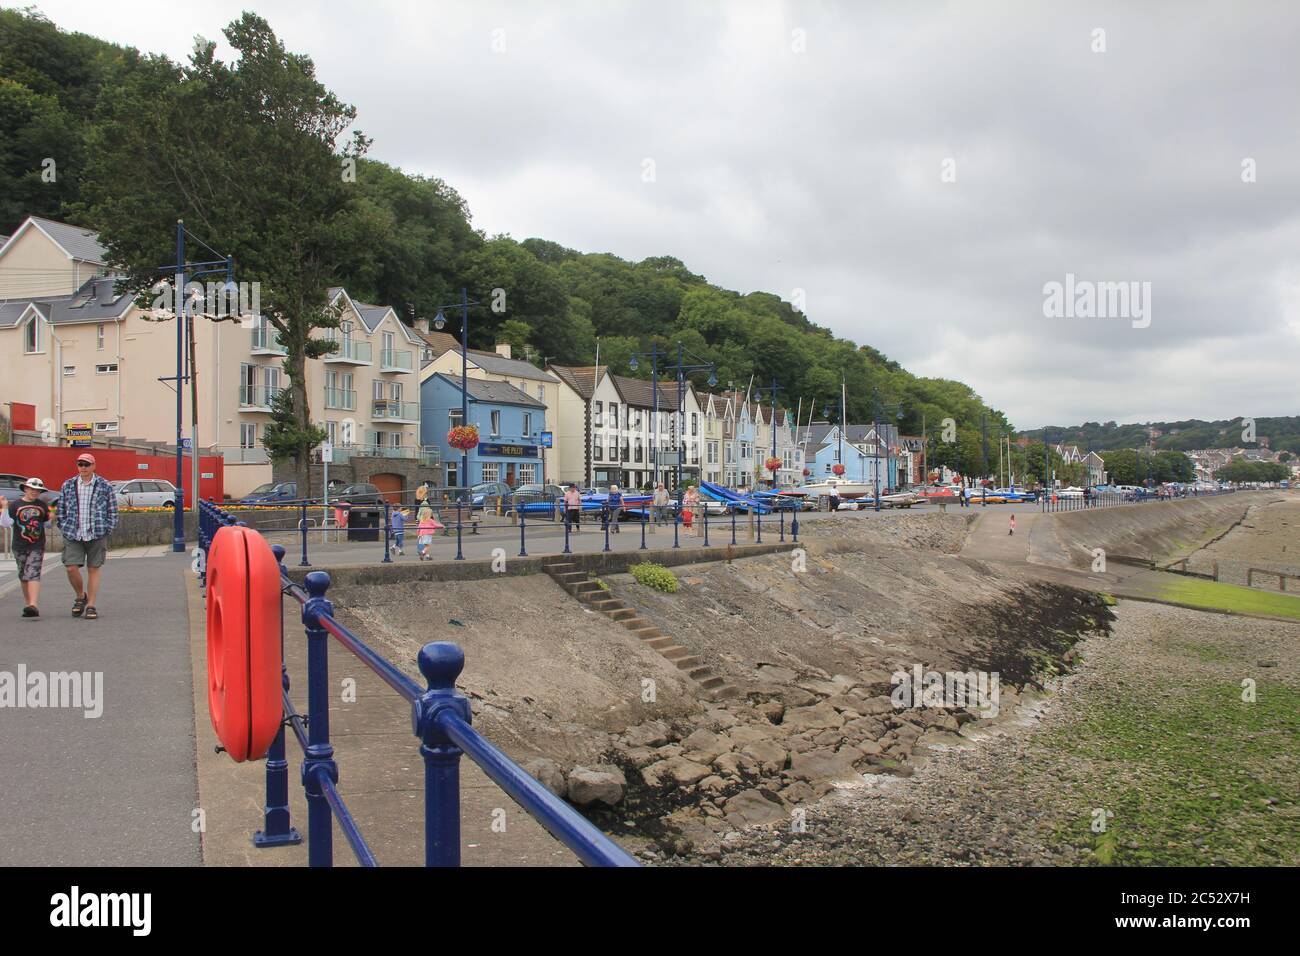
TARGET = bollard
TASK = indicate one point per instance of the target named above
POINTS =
(677, 520)
(794, 523)
(732, 509)
(567, 550)
(320, 753)
(302, 523)
(605, 521)
(441, 663)
(522, 522)
(460, 555)
(388, 534)
(759, 513)
(276, 827)
(782, 516)
(706, 522)
(645, 519)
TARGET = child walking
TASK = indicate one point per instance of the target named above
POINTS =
(424, 531)
(1013, 525)
(398, 520)
(28, 516)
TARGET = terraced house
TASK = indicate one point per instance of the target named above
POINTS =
(85, 354)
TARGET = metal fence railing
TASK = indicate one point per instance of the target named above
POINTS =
(441, 719)
(1056, 502)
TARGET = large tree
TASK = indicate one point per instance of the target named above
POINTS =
(255, 157)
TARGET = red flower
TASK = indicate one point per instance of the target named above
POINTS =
(837, 468)
(463, 437)
(773, 464)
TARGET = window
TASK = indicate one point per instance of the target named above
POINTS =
(32, 336)
(638, 418)
(105, 427)
(453, 418)
(99, 337)
(713, 453)
(396, 440)
(491, 471)
(527, 473)
(541, 393)
(496, 422)
(528, 424)
(613, 448)
(695, 423)
(106, 369)
(731, 453)
(247, 434)
(377, 390)
(69, 370)
(640, 452)
(332, 432)
(627, 452)
(395, 391)
(598, 414)
(613, 414)
(597, 448)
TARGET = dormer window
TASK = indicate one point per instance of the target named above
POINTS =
(32, 336)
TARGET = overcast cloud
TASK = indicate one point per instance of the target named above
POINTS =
(819, 169)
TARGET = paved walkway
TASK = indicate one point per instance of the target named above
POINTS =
(119, 789)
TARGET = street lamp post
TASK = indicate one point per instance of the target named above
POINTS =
(184, 271)
(758, 397)
(682, 368)
(439, 322)
(878, 409)
(633, 364)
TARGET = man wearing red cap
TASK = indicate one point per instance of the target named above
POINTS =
(87, 516)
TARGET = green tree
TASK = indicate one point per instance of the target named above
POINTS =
(253, 157)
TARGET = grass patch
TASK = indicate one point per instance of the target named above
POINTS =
(1215, 595)
(655, 576)
(1189, 773)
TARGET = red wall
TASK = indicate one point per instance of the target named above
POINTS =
(55, 465)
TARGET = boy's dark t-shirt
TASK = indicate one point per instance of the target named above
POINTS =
(29, 524)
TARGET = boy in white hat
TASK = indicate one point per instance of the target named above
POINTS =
(28, 517)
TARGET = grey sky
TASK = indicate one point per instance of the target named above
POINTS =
(820, 170)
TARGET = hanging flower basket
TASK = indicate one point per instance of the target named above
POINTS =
(838, 469)
(463, 437)
(773, 465)
(806, 472)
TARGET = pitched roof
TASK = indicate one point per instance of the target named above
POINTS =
(496, 393)
(500, 365)
(438, 342)
(76, 242)
(640, 392)
(95, 301)
(580, 378)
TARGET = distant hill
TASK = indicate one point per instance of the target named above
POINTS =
(1283, 434)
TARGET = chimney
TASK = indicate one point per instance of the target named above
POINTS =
(503, 349)
(422, 325)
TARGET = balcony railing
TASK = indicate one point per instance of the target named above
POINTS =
(388, 410)
(341, 398)
(257, 396)
(236, 455)
(358, 353)
(266, 341)
(394, 360)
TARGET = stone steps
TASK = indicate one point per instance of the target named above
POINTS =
(580, 586)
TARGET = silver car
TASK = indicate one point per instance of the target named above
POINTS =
(145, 493)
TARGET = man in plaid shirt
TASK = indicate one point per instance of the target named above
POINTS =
(87, 516)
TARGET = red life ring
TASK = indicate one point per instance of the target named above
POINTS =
(244, 663)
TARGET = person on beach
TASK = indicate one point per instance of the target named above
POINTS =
(1013, 525)
(398, 521)
(87, 515)
(690, 508)
(28, 517)
(573, 506)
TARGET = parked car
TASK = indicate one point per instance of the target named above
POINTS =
(485, 495)
(271, 493)
(9, 489)
(145, 493)
(360, 493)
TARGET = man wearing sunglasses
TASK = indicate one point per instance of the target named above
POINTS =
(87, 516)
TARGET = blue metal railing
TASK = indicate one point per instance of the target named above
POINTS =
(551, 527)
(440, 717)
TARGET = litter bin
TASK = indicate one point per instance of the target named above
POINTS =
(365, 524)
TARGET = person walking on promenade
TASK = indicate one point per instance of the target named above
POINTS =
(1013, 525)
(424, 533)
(87, 515)
(398, 520)
(615, 505)
(661, 501)
(573, 507)
(690, 509)
(28, 516)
